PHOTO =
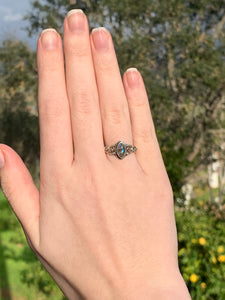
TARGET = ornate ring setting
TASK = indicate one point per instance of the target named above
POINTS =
(120, 149)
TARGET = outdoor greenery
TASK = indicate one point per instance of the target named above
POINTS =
(18, 105)
(21, 274)
(179, 47)
(201, 238)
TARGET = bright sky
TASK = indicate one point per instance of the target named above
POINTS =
(11, 20)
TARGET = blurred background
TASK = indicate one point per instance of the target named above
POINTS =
(179, 47)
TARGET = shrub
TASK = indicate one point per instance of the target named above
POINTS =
(202, 252)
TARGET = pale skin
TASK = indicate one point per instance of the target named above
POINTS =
(104, 228)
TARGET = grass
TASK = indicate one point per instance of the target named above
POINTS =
(21, 275)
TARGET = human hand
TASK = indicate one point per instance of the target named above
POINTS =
(104, 228)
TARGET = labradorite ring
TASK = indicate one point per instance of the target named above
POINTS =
(120, 149)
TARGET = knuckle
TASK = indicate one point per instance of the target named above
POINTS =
(49, 62)
(114, 115)
(147, 135)
(84, 103)
(138, 102)
(163, 192)
(50, 67)
(107, 64)
(163, 187)
(81, 50)
(48, 111)
(166, 194)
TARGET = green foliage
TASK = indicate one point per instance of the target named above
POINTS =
(21, 275)
(202, 252)
(34, 275)
(18, 112)
(179, 48)
(18, 67)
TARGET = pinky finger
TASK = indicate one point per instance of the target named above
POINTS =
(144, 136)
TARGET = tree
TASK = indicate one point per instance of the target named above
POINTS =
(18, 112)
(179, 47)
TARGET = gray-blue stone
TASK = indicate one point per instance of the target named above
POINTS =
(121, 150)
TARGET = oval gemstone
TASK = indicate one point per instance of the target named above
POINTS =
(121, 150)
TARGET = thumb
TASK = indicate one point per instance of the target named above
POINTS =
(19, 189)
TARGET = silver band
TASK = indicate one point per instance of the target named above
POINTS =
(120, 149)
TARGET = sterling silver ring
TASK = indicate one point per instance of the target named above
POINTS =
(120, 149)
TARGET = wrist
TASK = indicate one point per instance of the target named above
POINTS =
(171, 287)
(175, 292)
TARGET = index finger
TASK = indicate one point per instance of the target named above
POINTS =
(54, 111)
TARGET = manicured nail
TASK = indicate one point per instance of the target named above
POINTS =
(49, 38)
(2, 159)
(76, 20)
(132, 77)
(100, 38)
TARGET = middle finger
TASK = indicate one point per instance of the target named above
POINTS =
(82, 88)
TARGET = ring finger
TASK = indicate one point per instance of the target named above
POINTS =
(113, 103)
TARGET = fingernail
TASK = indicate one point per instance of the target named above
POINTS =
(49, 38)
(100, 38)
(132, 77)
(76, 20)
(2, 159)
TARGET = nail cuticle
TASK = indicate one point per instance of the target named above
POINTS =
(131, 70)
(74, 11)
(99, 29)
(48, 30)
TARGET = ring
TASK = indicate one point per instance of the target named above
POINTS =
(120, 149)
